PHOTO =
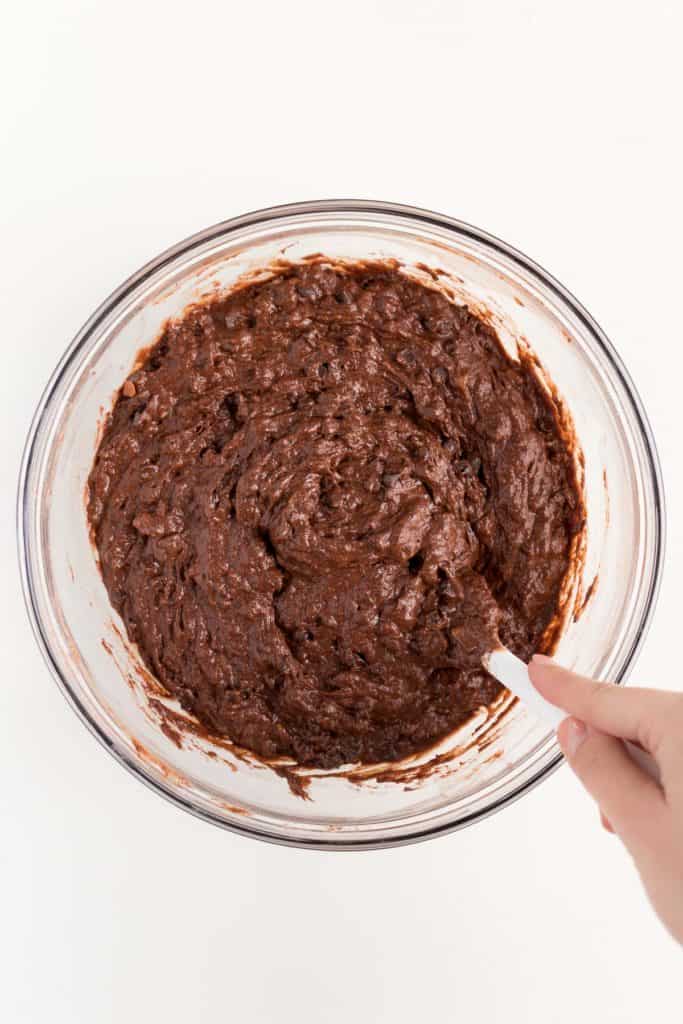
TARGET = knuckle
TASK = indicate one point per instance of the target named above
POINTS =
(600, 692)
(598, 695)
(662, 718)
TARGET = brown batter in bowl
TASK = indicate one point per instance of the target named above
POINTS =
(567, 369)
(318, 501)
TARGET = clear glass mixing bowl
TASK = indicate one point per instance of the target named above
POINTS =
(83, 641)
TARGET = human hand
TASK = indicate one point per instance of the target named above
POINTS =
(648, 818)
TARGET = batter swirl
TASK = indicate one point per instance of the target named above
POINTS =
(318, 501)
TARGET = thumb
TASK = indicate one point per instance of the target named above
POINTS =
(629, 799)
(634, 713)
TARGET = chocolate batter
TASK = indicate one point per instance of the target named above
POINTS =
(319, 500)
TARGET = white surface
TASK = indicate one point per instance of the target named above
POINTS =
(126, 127)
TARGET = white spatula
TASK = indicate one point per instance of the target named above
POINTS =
(513, 673)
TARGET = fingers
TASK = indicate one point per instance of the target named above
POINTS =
(632, 804)
(633, 713)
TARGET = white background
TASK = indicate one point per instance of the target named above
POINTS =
(128, 126)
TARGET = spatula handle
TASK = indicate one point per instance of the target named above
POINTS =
(514, 674)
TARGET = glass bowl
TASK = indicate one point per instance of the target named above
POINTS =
(83, 640)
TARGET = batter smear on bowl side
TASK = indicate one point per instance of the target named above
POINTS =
(318, 501)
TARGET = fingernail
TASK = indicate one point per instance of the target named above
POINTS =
(571, 735)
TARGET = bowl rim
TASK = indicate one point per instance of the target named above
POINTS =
(252, 219)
